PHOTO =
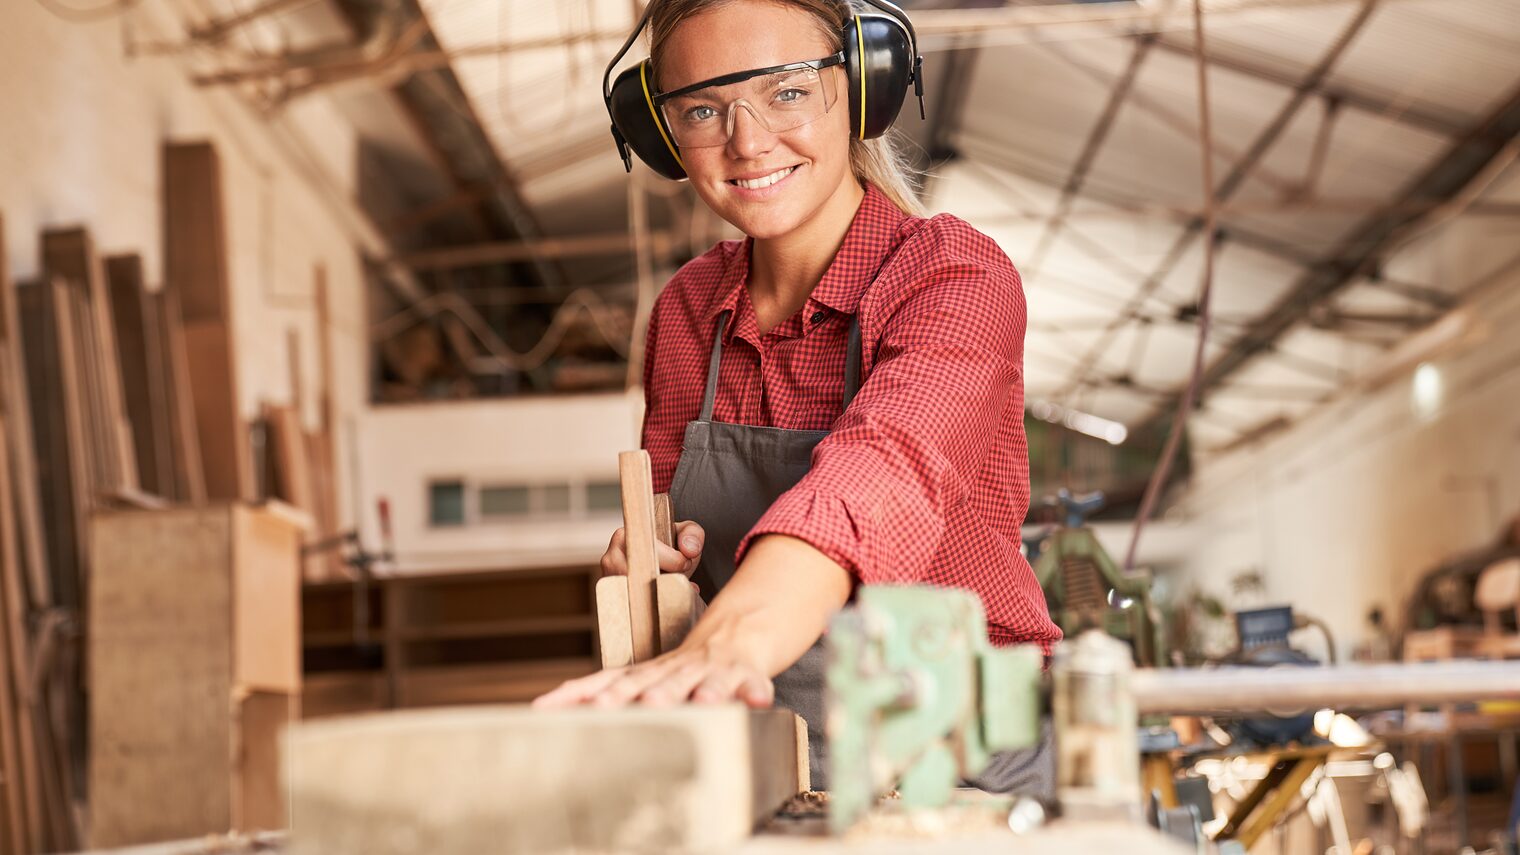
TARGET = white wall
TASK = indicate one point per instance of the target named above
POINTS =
(510, 441)
(1347, 509)
(80, 144)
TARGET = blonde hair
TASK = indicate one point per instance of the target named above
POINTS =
(878, 160)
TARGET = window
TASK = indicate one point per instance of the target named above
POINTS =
(505, 501)
(604, 496)
(554, 500)
(446, 503)
(454, 502)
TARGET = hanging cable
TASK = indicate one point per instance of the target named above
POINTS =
(1205, 288)
(83, 13)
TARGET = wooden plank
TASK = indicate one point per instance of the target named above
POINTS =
(613, 635)
(266, 617)
(324, 565)
(695, 778)
(196, 272)
(20, 446)
(286, 447)
(69, 253)
(639, 542)
(664, 520)
(226, 455)
(58, 430)
(160, 674)
(140, 348)
(189, 474)
(18, 779)
(195, 235)
(261, 718)
(675, 600)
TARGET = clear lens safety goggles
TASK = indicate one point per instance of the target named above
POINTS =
(779, 97)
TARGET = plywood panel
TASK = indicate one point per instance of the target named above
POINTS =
(19, 784)
(58, 431)
(226, 457)
(195, 273)
(189, 474)
(69, 254)
(267, 604)
(19, 446)
(160, 676)
(143, 373)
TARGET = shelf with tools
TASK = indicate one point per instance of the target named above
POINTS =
(480, 636)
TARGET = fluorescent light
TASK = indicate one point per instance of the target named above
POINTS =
(1107, 430)
(1425, 391)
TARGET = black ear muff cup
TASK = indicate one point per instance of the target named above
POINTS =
(636, 121)
(878, 60)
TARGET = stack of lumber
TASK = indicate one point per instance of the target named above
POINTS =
(115, 394)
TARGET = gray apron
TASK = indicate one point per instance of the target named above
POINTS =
(727, 477)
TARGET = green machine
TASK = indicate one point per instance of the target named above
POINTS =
(917, 697)
(1078, 575)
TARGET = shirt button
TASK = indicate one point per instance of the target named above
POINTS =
(819, 316)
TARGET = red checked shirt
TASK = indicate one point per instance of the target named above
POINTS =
(925, 478)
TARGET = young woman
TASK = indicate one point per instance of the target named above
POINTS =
(835, 400)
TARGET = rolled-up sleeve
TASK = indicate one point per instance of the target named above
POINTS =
(908, 450)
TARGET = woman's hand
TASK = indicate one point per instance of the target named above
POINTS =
(709, 670)
(777, 604)
(682, 559)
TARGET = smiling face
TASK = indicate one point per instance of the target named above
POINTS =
(738, 180)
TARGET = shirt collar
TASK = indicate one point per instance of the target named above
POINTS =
(866, 246)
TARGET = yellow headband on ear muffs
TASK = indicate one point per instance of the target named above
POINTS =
(881, 59)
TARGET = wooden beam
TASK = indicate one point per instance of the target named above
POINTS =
(140, 348)
(69, 254)
(695, 778)
(195, 256)
(19, 444)
(506, 252)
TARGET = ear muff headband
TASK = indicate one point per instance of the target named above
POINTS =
(654, 113)
(860, 43)
(888, 52)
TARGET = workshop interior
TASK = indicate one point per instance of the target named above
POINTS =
(324, 346)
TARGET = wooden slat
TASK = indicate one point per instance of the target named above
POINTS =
(58, 427)
(70, 254)
(185, 442)
(196, 272)
(18, 780)
(140, 348)
(639, 542)
(286, 446)
(19, 446)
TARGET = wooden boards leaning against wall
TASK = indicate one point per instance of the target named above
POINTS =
(195, 274)
(518, 780)
(34, 694)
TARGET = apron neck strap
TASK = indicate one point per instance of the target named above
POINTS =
(852, 363)
(711, 395)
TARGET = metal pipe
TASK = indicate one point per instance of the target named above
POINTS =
(1222, 691)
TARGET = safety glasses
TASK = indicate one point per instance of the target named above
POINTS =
(779, 97)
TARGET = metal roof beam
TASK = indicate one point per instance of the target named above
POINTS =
(1465, 161)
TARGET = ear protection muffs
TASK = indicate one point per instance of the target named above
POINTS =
(881, 59)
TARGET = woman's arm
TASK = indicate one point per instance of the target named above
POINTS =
(777, 604)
